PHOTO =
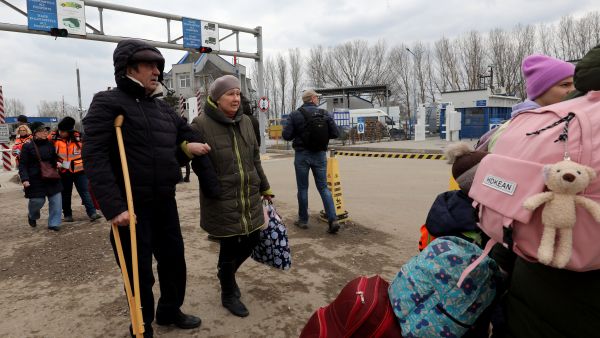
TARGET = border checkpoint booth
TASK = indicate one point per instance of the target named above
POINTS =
(480, 110)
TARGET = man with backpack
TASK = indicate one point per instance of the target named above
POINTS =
(310, 129)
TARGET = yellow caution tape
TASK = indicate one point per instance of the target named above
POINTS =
(415, 156)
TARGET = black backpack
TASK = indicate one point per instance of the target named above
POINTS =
(315, 136)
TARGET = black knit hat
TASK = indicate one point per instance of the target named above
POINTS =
(66, 124)
(587, 74)
(38, 126)
(22, 118)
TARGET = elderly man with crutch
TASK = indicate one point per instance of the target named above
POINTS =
(155, 142)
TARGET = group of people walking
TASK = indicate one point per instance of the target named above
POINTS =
(49, 164)
(222, 146)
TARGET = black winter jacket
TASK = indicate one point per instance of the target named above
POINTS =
(295, 126)
(29, 169)
(451, 213)
(152, 134)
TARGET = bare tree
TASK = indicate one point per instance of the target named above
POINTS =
(546, 39)
(524, 45)
(473, 58)
(58, 109)
(379, 70)
(282, 79)
(14, 107)
(419, 53)
(401, 65)
(448, 66)
(295, 59)
(566, 38)
(594, 20)
(586, 30)
(271, 86)
(316, 67)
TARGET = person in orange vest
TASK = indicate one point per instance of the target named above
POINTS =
(67, 142)
(23, 136)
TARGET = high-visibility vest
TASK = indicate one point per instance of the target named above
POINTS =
(18, 146)
(68, 150)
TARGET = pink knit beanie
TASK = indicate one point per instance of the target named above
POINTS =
(543, 72)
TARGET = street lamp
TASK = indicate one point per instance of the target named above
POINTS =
(414, 96)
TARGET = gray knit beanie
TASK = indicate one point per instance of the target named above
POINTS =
(221, 85)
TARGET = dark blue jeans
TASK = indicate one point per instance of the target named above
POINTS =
(81, 184)
(305, 161)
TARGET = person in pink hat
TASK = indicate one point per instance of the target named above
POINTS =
(547, 81)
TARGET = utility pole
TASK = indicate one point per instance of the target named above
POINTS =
(79, 95)
(409, 134)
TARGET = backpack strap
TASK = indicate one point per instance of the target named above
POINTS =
(486, 251)
(306, 114)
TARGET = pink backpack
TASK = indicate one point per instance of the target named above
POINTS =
(514, 172)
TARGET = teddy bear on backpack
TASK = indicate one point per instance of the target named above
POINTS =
(564, 179)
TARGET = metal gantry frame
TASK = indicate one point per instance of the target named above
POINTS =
(170, 43)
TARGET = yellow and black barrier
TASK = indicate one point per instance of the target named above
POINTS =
(335, 186)
(416, 156)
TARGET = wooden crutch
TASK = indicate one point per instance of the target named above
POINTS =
(135, 307)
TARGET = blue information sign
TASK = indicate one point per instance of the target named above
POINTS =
(192, 35)
(360, 128)
(41, 15)
(480, 103)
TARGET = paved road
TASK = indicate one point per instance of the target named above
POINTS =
(391, 195)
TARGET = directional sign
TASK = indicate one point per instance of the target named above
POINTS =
(360, 128)
(210, 35)
(192, 36)
(4, 134)
(71, 16)
(263, 104)
(41, 15)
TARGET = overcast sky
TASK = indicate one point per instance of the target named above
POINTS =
(35, 67)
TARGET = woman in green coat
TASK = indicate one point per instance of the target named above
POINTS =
(236, 216)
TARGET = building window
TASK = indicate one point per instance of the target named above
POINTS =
(184, 81)
(335, 100)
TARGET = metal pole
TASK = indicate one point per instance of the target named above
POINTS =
(414, 97)
(168, 30)
(101, 20)
(262, 121)
(109, 38)
(79, 96)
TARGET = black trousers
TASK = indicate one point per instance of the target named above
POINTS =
(237, 248)
(158, 233)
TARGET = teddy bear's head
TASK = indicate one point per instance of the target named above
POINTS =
(568, 177)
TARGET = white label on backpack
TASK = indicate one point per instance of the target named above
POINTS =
(500, 184)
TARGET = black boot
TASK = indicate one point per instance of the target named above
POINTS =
(236, 288)
(229, 299)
